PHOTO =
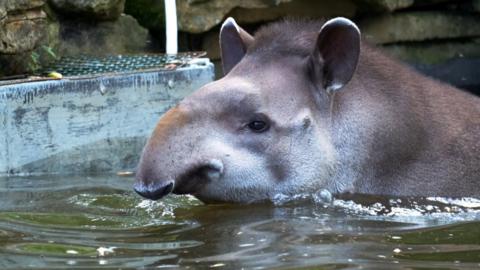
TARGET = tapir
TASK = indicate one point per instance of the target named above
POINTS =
(307, 106)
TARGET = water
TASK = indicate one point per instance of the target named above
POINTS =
(99, 223)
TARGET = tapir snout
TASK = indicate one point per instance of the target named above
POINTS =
(164, 167)
(186, 181)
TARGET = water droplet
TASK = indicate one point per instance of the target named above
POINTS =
(323, 196)
(217, 265)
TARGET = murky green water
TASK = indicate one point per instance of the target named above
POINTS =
(98, 222)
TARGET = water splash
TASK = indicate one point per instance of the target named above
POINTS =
(358, 204)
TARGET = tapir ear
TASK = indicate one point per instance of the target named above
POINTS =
(234, 42)
(336, 53)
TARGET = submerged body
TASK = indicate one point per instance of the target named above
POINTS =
(306, 106)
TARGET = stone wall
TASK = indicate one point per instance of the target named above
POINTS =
(439, 37)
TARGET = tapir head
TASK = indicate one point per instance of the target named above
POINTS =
(264, 128)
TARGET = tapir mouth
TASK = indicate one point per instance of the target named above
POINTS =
(154, 191)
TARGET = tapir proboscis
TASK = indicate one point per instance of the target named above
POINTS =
(307, 106)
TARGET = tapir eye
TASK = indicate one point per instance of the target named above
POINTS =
(258, 126)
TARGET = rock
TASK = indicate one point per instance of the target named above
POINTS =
(19, 5)
(368, 6)
(299, 8)
(296, 8)
(418, 26)
(201, 16)
(124, 35)
(98, 9)
(391, 5)
(476, 5)
(28, 36)
(3, 15)
(21, 32)
(434, 52)
(426, 3)
(149, 13)
(23, 23)
(30, 61)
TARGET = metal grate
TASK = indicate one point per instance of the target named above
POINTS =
(89, 65)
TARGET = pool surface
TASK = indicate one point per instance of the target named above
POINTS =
(100, 223)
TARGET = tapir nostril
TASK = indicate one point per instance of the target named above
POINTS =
(153, 191)
(198, 175)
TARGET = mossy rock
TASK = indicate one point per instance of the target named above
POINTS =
(29, 39)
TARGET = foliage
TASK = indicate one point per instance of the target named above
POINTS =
(43, 54)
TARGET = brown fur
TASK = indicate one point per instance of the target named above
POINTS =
(172, 120)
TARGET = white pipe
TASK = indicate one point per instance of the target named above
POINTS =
(171, 26)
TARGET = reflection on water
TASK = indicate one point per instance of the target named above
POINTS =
(98, 222)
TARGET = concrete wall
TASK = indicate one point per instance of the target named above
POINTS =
(87, 125)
